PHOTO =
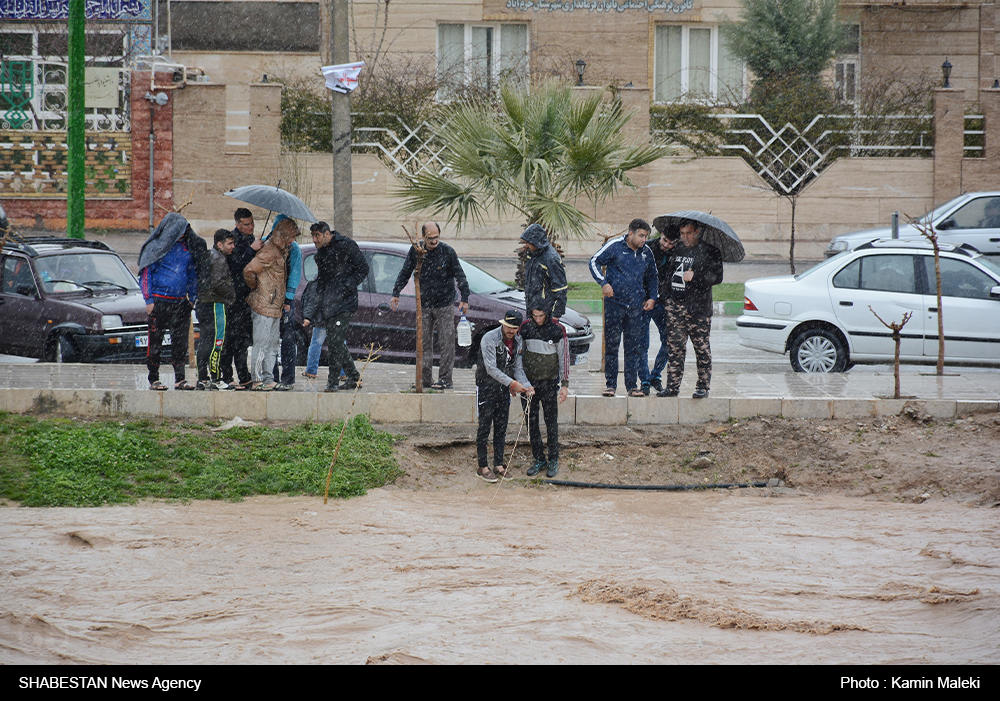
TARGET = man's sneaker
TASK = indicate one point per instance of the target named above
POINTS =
(282, 387)
(502, 472)
(332, 387)
(668, 393)
(537, 467)
(205, 385)
(700, 394)
(553, 469)
(486, 474)
(656, 384)
(645, 388)
(224, 386)
(351, 384)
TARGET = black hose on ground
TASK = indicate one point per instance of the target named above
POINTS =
(656, 487)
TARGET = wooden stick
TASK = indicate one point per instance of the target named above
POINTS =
(418, 246)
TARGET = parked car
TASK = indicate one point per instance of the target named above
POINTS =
(972, 219)
(396, 331)
(70, 300)
(825, 317)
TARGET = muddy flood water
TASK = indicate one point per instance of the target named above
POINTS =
(510, 575)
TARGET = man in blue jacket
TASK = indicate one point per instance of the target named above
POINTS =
(169, 281)
(629, 285)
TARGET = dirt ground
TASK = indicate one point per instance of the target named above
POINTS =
(878, 545)
(908, 458)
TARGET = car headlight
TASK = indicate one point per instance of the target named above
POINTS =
(111, 321)
(837, 246)
(569, 329)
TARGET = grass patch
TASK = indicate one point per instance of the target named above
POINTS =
(585, 291)
(58, 462)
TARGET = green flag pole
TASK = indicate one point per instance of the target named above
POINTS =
(75, 137)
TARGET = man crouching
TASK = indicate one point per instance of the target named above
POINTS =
(546, 365)
(499, 376)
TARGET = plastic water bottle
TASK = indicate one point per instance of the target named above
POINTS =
(464, 332)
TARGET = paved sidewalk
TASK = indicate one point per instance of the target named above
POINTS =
(968, 384)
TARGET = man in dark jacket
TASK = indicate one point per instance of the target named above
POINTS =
(169, 281)
(239, 327)
(439, 273)
(545, 284)
(697, 266)
(663, 255)
(499, 376)
(215, 296)
(546, 365)
(340, 267)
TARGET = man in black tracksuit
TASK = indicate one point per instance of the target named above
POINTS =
(546, 365)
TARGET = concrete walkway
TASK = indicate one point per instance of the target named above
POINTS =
(115, 390)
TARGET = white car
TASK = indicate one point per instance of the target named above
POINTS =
(972, 219)
(824, 317)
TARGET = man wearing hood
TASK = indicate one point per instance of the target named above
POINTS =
(546, 365)
(544, 275)
(239, 325)
(169, 280)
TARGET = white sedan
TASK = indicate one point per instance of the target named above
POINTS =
(825, 318)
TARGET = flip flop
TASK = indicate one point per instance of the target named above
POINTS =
(183, 384)
(158, 386)
(608, 392)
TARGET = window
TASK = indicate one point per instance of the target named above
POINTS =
(483, 55)
(694, 61)
(882, 273)
(847, 67)
(959, 279)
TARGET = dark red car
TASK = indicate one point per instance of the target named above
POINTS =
(396, 331)
(70, 300)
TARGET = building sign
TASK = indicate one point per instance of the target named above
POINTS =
(648, 6)
(59, 9)
(101, 87)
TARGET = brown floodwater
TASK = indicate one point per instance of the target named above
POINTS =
(508, 575)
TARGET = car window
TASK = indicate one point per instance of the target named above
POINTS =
(309, 269)
(385, 269)
(71, 272)
(980, 213)
(16, 277)
(891, 273)
(480, 281)
(960, 279)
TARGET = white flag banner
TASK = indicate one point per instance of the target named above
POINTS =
(343, 78)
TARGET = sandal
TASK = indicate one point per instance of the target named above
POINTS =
(608, 392)
(158, 386)
(261, 387)
(487, 474)
(309, 376)
(440, 386)
(183, 384)
(636, 393)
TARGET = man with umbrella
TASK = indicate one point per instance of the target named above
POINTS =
(697, 267)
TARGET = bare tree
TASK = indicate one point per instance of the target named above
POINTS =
(895, 327)
(928, 232)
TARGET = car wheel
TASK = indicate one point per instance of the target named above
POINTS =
(60, 350)
(818, 350)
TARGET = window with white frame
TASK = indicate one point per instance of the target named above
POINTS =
(847, 67)
(693, 61)
(481, 54)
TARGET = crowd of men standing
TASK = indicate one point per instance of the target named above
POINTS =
(243, 291)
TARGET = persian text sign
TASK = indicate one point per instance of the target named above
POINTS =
(59, 9)
(668, 6)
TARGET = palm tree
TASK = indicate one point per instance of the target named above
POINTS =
(537, 154)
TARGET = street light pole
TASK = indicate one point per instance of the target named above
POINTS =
(343, 192)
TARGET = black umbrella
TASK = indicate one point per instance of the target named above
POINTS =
(714, 231)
